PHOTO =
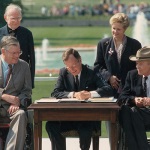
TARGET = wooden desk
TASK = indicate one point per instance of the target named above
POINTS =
(74, 112)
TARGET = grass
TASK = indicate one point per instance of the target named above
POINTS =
(66, 36)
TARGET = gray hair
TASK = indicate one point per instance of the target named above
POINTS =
(13, 6)
(8, 41)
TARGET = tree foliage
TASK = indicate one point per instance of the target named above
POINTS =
(3, 5)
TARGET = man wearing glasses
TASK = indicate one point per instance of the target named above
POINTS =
(13, 17)
(76, 81)
(15, 87)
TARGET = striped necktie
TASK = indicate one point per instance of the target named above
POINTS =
(9, 73)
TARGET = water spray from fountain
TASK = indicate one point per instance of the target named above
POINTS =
(45, 45)
(140, 30)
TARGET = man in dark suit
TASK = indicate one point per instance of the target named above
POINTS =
(81, 82)
(13, 18)
(135, 97)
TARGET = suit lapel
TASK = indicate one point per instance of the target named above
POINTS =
(70, 78)
(1, 75)
(138, 84)
(112, 57)
(83, 78)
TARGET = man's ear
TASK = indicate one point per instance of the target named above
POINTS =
(5, 17)
(2, 50)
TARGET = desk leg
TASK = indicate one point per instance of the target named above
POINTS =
(38, 136)
(37, 131)
(113, 136)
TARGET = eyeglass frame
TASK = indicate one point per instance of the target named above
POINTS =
(14, 53)
(14, 19)
(73, 66)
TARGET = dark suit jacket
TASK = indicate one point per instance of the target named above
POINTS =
(88, 81)
(108, 64)
(25, 39)
(133, 88)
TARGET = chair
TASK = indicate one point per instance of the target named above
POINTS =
(4, 127)
(95, 137)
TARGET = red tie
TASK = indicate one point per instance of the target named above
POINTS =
(9, 73)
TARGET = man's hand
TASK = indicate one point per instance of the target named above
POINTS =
(12, 109)
(11, 99)
(82, 95)
(146, 101)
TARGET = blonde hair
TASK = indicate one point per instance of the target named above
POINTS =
(120, 18)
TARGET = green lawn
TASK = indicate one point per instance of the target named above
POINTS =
(66, 36)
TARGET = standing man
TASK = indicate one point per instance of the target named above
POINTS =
(15, 87)
(13, 17)
(135, 100)
(76, 81)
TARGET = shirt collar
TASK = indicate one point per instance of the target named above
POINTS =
(4, 63)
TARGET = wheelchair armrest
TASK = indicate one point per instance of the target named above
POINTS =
(27, 102)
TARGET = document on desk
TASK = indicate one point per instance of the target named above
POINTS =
(71, 100)
(102, 100)
(74, 100)
(48, 100)
(63, 100)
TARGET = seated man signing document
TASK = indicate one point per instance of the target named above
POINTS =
(76, 81)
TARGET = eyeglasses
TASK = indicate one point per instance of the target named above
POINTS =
(15, 53)
(73, 66)
(15, 19)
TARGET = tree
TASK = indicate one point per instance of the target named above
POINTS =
(3, 5)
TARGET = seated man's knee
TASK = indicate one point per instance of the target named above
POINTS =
(51, 125)
(124, 114)
(21, 115)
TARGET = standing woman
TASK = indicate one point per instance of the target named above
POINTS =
(113, 53)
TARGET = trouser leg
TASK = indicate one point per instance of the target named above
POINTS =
(17, 131)
(126, 123)
(85, 134)
(54, 131)
(139, 119)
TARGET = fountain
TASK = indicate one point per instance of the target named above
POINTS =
(45, 45)
(39, 60)
(140, 30)
(105, 35)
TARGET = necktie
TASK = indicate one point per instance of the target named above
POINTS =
(145, 86)
(76, 83)
(9, 73)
